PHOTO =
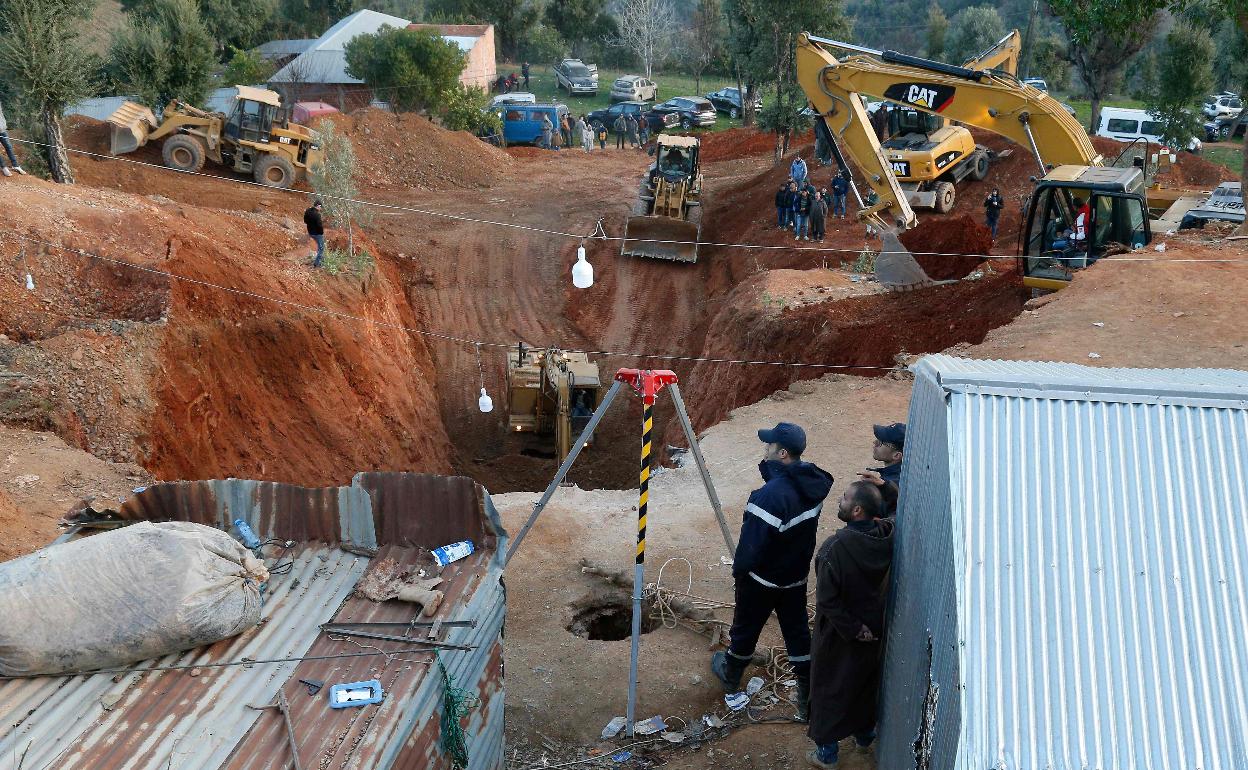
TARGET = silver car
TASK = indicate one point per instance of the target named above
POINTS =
(634, 88)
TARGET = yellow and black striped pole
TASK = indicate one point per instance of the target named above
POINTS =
(643, 499)
(647, 427)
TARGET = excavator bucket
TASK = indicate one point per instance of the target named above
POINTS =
(131, 124)
(661, 238)
(896, 267)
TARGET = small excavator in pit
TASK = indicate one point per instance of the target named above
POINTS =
(551, 392)
(1080, 210)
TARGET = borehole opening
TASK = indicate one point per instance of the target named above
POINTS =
(609, 618)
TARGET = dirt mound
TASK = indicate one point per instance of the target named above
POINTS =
(939, 238)
(406, 150)
(744, 142)
(1189, 171)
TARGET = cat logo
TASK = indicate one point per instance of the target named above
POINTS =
(926, 96)
(901, 168)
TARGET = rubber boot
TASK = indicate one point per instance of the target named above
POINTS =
(803, 697)
(728, 670)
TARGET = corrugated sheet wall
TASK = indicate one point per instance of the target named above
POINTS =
(920, 681)
(1104, 590)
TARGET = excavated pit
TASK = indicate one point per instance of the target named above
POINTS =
(608, 617)
(230, 384)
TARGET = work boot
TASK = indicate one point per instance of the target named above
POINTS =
(813, 758)
(728, 670)
(19, 170)
(803, 698)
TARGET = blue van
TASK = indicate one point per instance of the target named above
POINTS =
(522, 123)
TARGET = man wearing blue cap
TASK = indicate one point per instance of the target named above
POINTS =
(890, 445)
(773, 559)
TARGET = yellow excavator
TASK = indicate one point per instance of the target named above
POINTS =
(1080, 209)
(255, 138)
(551, 392)
(928, 154)
(667, 217)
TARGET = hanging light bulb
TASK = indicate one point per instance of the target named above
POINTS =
(485, 403)
(30, 282)
(582, 271)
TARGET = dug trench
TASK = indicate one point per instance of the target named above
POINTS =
(245, 374)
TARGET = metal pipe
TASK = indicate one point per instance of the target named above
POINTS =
(643, 501)
(584, 438)
(1026, 121)
(702, 469)
(845, 46)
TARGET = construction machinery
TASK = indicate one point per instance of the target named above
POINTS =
(551, 392)
(1080, 209)
(667, 218)
(928, 154)
(255, 138)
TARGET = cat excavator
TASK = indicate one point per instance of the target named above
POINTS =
(551, 392)
(1080, 209)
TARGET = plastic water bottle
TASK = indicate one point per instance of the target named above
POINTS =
(754, 685)
(248, 537)
(453, 552)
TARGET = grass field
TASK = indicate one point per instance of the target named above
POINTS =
(1231, 157)
(542, 84)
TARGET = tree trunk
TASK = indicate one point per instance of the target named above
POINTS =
(58, 159)
(1095, 120)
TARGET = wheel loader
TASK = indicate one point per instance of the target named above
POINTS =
(667, 218)
(255, 138)
(1081, 209)
(551, 392)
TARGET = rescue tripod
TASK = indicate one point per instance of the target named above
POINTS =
(645, 383)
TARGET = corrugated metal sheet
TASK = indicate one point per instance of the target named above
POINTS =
(174, 719)
(1098, 565)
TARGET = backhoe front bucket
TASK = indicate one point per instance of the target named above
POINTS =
(896, 267)
(131, 124)
(661, 238)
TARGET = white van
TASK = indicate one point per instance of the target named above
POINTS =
(1127, 125)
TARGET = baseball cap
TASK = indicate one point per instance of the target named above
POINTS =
(787, 435)
(894, 434)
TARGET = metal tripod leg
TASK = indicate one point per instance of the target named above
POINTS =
(706, 474)
(581, 441)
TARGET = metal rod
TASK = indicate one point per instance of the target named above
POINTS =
(643, 500)
(706, 474)
(845, 46)
(400, 623)
(1034, 149)
(393, 638)
(290, 727)
(563, 469)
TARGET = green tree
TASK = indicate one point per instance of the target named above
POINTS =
(1104, 36)
(937, 29)
(462, 109)
(44, 63)
(310, 18)
(513, 20)
(782, 115)
(704, 42)
(1049, 60)
(245, 68)
(579, 22)
(971, 32)
(334, 182)
(164, 52)
(1184, 77)
(1230, 66)
(543, 44)
(412, 67)
(237, 23)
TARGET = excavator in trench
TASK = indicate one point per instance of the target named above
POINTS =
(1080, 209)
(551, 392)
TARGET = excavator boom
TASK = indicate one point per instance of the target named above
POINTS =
(1002, 56)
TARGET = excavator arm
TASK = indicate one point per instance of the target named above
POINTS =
(1003, 56)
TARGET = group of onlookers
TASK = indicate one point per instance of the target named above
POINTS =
(805, 208)
(627, 128)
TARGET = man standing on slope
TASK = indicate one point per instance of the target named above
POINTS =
(316, 230)
(773, 559)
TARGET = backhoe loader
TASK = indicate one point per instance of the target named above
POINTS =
(1080, 209)
(255, 138)
(667, 218)
(930, 155)
(551, 392)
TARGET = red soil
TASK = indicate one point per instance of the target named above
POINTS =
(933, 242)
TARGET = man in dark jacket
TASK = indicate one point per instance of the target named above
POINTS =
(782, 206)
(890, 445)
(818, 216)
(524, 70)
(316, 230)
(773, 559)
(993, 205)
(620, 127)
(802, 210)
(850, 572)
(840, 189)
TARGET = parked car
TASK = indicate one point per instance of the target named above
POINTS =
(522, 123)
(576, 77)
(1225, 128)
(1222, 105)
(728, 101)
(691, 111)
(1037, 83)
(640, 110)
(1127, 125)
(634, 88)
(515, 97)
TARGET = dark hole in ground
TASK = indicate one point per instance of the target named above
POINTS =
(609, 618)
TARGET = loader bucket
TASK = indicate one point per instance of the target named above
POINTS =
(896, 267)
(661, 238)
(131, 124)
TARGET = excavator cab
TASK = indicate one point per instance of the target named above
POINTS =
(551, 393)
(903, 123)
(1077, 215)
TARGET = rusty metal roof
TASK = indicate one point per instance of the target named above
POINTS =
(200, 718)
